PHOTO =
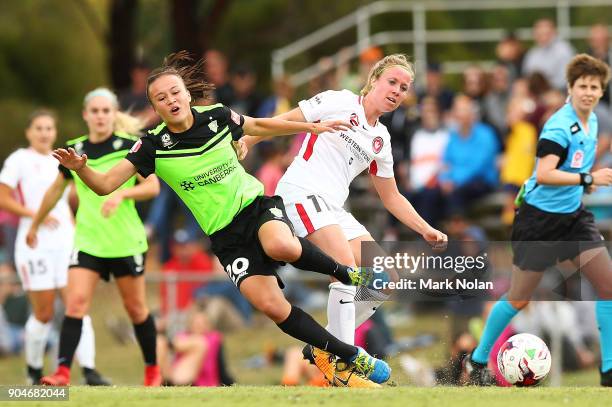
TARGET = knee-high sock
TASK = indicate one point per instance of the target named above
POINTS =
(302, 326)
(70, 335)
(500, 316)
(146, 335)
(36, 336)
(313, 259)
(86, 351)
(341, 312)
(603, 312)
(367, 302)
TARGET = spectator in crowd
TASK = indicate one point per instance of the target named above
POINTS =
(436, 88)
(599, 47)
(187, 257)
(246, 99)
(13, 312)
(194, 357)
(496, 101)
(216, 70)
(518, 159)
(469, 160)
(510, 53)
(134, 99)
(549, 55)
(279, 102)
(427, 149)
(475, 86)
(274, 165)
(8, 233)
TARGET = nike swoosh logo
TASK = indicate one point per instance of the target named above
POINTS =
(344, 382)
(346, 302)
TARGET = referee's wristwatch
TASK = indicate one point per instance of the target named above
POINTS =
(586, 179)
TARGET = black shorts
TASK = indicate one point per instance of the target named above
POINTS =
(117, 266)
(541, 239)
(237, 245)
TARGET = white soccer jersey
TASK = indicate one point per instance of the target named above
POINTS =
(328, 162)
(31, 174)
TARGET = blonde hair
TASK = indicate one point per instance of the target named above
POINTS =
(124, 122)
(381, 66)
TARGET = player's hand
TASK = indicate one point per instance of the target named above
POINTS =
(436, 239)
(331, 126)
(603, 177)
(51, 222)
(109, 207)
(241, 149)
(69, 158)
(31, 239)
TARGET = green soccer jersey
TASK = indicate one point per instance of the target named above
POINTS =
(200, 165)
(120, 235)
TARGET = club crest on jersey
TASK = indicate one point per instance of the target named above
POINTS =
(377, 144)
(276, 212)
(166, 140)
(213, 126)
(117, 144)
(354, 119)
(78, 147)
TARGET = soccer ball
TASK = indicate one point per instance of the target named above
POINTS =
(524, 360)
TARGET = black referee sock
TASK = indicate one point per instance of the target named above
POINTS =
(302, 326)
(313, 259)
(147, 339)
(70, 335)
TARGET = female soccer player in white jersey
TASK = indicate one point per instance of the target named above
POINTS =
(109, 237)
(316, 184)
(28, 172)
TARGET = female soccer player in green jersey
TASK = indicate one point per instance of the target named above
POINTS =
(192, 152)
(109, 237)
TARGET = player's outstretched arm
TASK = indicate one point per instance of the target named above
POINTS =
(403, 210)
(548, 174)
(12, 205)
(100, 183)
(266, 127)
(294, 115)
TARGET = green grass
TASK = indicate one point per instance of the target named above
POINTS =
(254, 396)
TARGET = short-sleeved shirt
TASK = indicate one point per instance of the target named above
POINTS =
(563, 135)
(120, 235)
(328, 162)
(30, 174)
(200, 165)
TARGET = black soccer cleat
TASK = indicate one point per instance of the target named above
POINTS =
(606, 378)
(93, 378)
(33, 376)
(478, 374)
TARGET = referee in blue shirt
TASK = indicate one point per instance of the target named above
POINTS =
(551, 224)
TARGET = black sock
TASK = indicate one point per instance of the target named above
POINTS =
(313, 259)
(70, 335)
(147, 337)
(302, 326)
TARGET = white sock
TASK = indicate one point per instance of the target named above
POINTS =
(36, 335)
(366, 303)
(341, 312)
(86, 351)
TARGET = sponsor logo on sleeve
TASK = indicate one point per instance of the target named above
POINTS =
(235, 117)
(136, 146)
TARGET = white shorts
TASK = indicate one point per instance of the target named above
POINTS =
(41, 269)
(309, 212)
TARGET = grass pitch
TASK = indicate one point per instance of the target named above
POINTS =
(272, 396)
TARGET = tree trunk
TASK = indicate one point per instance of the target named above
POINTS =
(121, 41)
